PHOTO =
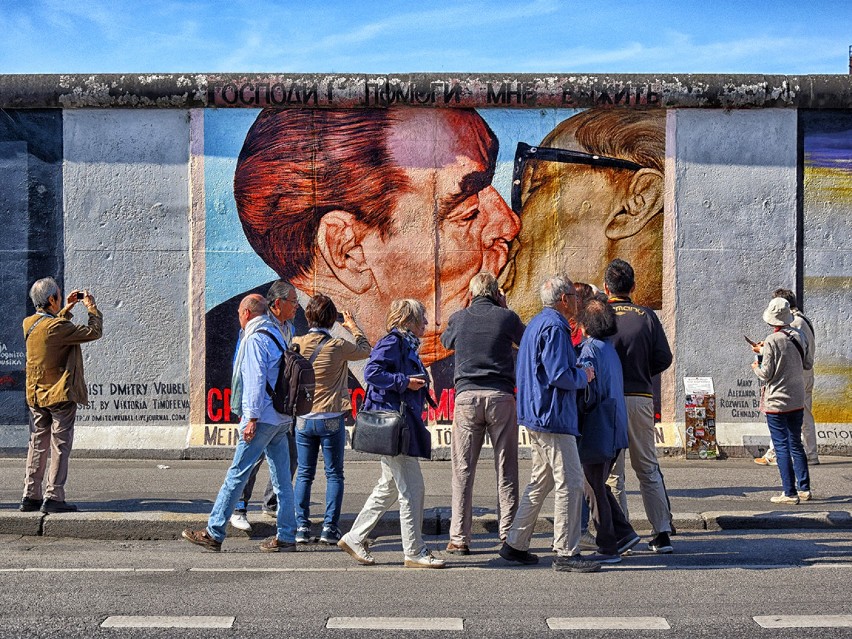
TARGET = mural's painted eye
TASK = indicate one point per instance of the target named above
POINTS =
(470, 216)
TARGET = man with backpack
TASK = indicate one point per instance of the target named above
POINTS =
(282, 303)
(263, 429)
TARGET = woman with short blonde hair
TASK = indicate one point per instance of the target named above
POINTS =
(397, 380)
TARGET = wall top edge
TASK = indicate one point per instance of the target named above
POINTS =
(449, 90)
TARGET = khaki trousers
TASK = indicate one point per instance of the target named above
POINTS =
(401, 479)
(52, 427)
(478, 412)
(555, 464)
(643, 460)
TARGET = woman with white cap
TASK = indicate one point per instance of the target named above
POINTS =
(780, 369)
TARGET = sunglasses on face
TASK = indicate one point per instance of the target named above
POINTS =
(524, 153)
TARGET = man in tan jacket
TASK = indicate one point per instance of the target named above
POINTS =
(55, 385)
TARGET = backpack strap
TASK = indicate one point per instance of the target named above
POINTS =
(326, 338)
(32, 328)
(808, 322)
(796, 344)
(269, 390)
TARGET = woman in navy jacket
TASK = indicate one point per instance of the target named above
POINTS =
(615, 535)
(395, 377)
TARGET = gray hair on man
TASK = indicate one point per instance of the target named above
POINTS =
(42, 290)
(484, 285)
(280, 290)
(554, 288)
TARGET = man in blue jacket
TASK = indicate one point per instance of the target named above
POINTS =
(548, 381)
(263, 430)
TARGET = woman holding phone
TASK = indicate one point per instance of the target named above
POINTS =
(396, 380)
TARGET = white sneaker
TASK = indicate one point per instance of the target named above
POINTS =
(424, 560)
(240, 522)
(784, 499)
(356, 550)
(805, 495)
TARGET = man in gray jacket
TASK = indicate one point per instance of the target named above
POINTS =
(482, 336)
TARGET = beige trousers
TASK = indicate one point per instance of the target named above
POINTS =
(51, 427)
(643, 460)
(478, 412)
(401, 479)
(555, 464)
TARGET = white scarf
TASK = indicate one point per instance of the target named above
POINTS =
(254, 325)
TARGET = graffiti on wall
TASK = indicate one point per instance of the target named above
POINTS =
(368, 206)
(827, 286)
(31, 243)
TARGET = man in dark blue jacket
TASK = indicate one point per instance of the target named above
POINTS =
(482, 336)
(548, 381)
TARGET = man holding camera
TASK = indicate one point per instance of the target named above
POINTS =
(55, 385)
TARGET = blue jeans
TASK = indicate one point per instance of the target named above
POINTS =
(272, 440)
(786, 432)
(310, 435)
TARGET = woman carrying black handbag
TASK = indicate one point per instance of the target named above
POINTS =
(395, 376)
(603, 424)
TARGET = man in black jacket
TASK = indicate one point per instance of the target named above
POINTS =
(482, 336)
(644, 352)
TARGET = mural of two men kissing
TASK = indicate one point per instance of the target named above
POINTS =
(372, 205)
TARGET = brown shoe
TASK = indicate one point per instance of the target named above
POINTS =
(201, 538)
(458, 549)
(273, 544)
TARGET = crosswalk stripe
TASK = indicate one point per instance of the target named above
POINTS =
(395, 623)
(805, 621)
(167, 622)
(607, 623)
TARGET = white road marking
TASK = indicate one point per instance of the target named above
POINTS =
(167, 622)
(395, 623)
(608, 623)
(87, 570)
(805, 621)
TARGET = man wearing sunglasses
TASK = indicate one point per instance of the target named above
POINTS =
(592, 191)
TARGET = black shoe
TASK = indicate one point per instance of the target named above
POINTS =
(578, 564)
(55, 506)
(29, 505)
(661, 544)
(524, 557)
(627, 543)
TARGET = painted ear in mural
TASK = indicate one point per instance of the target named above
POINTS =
(340, 247)
(643, 202)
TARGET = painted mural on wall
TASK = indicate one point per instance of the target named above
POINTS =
(827, 290)
(31, 244)
(369, 206)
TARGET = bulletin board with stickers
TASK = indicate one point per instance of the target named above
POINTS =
(700, 420)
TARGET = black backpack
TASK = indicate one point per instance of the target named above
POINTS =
(293, 394)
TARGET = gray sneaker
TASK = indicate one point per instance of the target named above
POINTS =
(577, 563)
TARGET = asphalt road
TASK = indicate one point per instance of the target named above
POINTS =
(714, 586)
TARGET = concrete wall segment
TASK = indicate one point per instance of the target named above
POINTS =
(126, 185)
(735, 192)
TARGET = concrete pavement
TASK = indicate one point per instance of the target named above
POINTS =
(155, 499)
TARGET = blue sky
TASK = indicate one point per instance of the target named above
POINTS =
(357, 36)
